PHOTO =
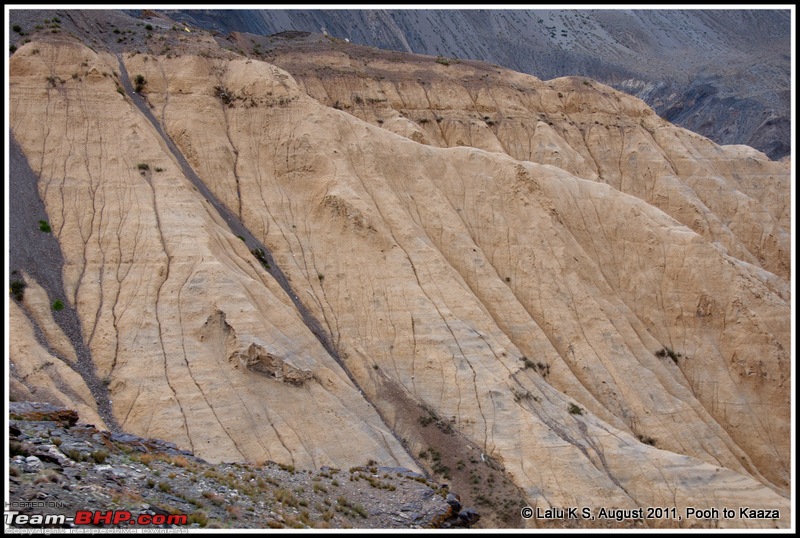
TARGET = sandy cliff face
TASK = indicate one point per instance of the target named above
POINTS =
(581, 126)
(588, 295)
(168, 296)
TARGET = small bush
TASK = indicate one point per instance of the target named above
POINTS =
(442, 60)
(148, 27)
(58, 305)
(180, 461)
(17, 28)
(360, 510)
(574, 409)
(74, 454)
(667, 352)
(646, 439)
(224, 95)
(143, 166)
(262, 258)
(47, 475)
(213, 497)
(140, 83)
(198, 517)
(99, 456)
(44, 226)
(286, 498)
(18, 449)
(18, 289)
(165, 487)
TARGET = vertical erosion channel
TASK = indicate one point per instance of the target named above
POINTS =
(39, 254)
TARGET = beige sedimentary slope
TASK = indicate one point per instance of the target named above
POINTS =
(524, 301)
(199, 342)
(442, 268)
(41, 374)
(733, 195)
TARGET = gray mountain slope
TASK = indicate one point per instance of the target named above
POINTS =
(722, 73)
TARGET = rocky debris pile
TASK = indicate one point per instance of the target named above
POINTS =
(59, 466)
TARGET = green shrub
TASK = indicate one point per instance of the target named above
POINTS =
(574, 409)
(143, 166)
(165, 487)
(667, 352)
(262, 258)
(58, 305)
(99, 456)
(148, 27)
(17, 28)
(44, 226)
(18, 289)
(140, 83)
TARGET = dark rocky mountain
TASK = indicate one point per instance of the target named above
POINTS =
(722, 73)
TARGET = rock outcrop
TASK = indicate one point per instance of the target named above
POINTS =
(58, 466)
(575, 291)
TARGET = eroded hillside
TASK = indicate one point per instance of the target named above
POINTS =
(437, 259)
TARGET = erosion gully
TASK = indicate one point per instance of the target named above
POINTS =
(238, 228)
